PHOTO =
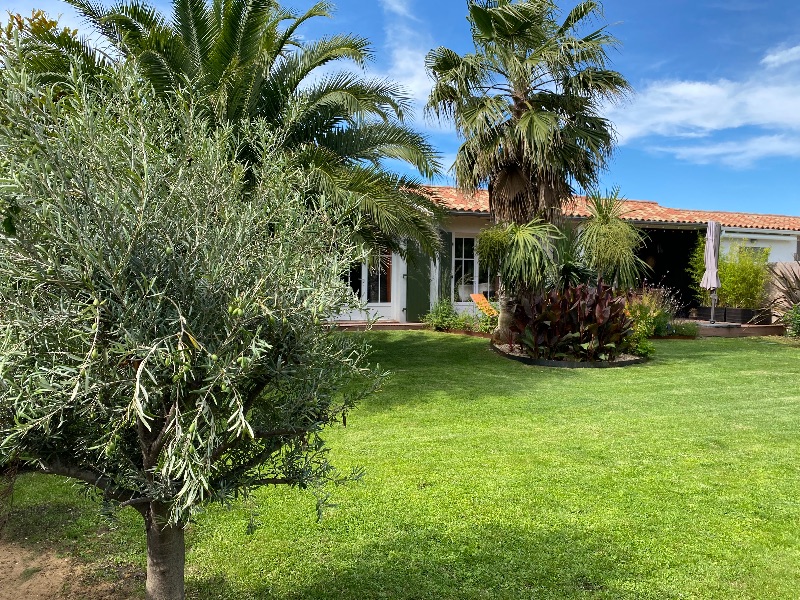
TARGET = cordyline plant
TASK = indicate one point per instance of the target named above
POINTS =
(163, 335)
(580, 323)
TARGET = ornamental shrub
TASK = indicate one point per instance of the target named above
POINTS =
(744, 275)
(164, 331)
(442, 317)
(656, 304)
(791, 318)
(644, 327)
(579, 323)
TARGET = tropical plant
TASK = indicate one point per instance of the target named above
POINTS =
(791, 318)
(785, 288)
(163, 335)
(520, 255)
(528, 103)
(578, 323)
(610, 243)
(569, 266)
(245, 59)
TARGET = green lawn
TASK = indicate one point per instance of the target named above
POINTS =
(486, 478)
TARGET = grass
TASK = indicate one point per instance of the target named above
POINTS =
(487, 478)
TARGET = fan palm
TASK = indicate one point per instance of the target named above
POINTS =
(244, 59)
(527, 103)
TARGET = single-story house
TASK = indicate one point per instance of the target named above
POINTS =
(404, 290)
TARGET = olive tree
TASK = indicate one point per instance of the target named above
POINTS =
(163, 333)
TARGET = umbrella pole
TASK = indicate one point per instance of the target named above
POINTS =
(713, 304)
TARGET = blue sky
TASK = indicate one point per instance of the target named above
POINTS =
(714, 122)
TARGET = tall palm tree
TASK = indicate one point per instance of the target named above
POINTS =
(527, 103)
(244, 59)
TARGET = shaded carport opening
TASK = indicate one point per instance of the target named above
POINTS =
(667, 250)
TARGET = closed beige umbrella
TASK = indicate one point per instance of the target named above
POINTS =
(710, 279)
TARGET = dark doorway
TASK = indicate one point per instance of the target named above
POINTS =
(667, 252)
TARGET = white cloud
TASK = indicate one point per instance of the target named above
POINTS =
(407, 64)
(696, 109)
(400, 8)
(763, 109)
(779, 58)
(738, 154)
(407, 42)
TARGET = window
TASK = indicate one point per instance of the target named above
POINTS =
(378, 288)
(379, 280)
(465, 266)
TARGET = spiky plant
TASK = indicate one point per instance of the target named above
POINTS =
(610, 242)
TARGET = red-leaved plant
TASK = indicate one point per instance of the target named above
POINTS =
(581, 323)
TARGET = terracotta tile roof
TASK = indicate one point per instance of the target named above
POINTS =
(640, 211)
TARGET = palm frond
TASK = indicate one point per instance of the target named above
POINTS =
(527, 103)
(194, 22)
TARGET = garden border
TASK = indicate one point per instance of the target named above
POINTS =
(570, 364)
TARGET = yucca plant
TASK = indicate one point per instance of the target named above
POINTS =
(521, 256)
(610, 243)
(569, 266)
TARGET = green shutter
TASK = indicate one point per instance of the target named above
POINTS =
(445, 260)
(418, 284)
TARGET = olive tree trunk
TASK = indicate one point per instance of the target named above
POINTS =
(166, 555)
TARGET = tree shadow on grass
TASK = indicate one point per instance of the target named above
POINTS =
(484, 562)
(57, 513)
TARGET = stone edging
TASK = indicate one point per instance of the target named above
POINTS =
(569, 364)
(479, 334)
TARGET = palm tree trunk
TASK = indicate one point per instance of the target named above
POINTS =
(166, 555)
(506, 305)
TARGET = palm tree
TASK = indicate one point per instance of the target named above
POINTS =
(527, 104)
(244, 60)
(47, 49)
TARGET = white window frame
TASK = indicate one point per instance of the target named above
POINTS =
(389, 257)
(477, 286)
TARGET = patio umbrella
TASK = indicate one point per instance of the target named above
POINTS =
(710, 279)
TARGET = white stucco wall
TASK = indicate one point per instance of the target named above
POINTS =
(782, 245)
